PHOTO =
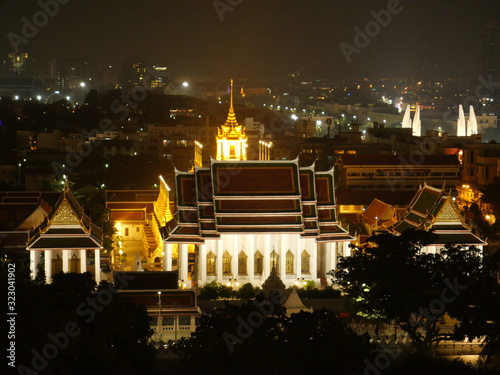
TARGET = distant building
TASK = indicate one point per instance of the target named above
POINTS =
(491, 52)
(139, 72)
(71, 72)
(17, 63)
(398, 172)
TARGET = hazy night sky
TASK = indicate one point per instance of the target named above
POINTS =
(259, 38)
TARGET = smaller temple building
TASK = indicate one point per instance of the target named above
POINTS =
(66, 241)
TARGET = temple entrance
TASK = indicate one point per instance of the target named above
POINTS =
(56, 265)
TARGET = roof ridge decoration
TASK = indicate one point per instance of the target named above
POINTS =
(448, 213)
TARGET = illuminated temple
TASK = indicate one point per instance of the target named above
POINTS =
(237, 219)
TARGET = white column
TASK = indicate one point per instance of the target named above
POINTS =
(297, 250)
(218, 254)
(330, 260)
(34, 261)
(83, 261)
(310, 245)
(48, 266)
(183, 269)
(266, 251)
(65, 260)
(97, 265)
(236, 251)
(202, 264)
(167, 257)
(250, 252)
(283, 248)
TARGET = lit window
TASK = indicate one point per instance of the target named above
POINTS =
(258, 263)
(226, 263)
(290, 258)
(211, 264)
(305, 264)
(242, 263)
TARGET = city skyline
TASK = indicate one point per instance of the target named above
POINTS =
(258, 39)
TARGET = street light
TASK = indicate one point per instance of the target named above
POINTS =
(232, 283)
(82, 85)
(159, 325)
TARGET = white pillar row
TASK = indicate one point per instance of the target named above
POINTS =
(83, 261)
(34, 261)
(65, 260)
(48, 266)
(218, 257)
(183, 261)
(250, 252)
(167, 257)
(202, 264)
(97, 265)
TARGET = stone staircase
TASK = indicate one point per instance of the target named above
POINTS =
(149, 239)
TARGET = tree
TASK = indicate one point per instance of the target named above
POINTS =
(491, 194)
(237, 341)
(393, 280)
(74, 326)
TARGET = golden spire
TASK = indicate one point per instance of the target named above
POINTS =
(231, 138)
(231, 116)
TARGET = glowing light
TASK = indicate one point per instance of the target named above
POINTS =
(185, 84)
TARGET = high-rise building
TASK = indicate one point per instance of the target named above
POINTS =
(70, 72)
(491, 53)
(138, 72)
(17, 63)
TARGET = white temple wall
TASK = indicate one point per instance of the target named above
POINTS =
(264, 243)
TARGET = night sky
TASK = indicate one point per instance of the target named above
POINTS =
(259, 38)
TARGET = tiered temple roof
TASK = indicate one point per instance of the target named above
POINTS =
(67, 227)
(434, 209)
(254, 197)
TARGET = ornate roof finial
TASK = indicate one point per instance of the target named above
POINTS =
(231, 116)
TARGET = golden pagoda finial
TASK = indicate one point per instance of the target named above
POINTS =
(231, 138)
(231, 116)
(231, 97)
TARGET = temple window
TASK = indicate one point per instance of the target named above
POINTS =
(305, 264)
(211, 264)
(242, 263)
(226, 263)
(258, 263)
(290, 258)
